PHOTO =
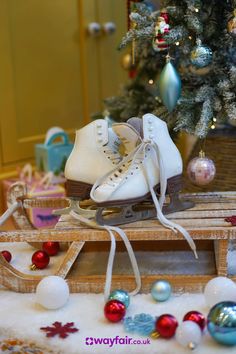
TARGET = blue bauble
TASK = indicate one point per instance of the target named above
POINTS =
(169, 86)
(120, 295)
(221, 322)
(161, 290)
(201, 55)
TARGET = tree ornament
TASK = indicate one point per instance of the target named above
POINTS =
(161, 290)
(126, 61)
(196, 317)
(52, 248)
(58, 329)
(7, 255)
(114, 310)
(143, 324)
(219, 289)
(169, 85)
(189, 334)
(52, 292)
(120, 295)
(232, 25)
(166, 325)
(40, 260)
(221, 323)
(201, 55)
(162, 27)
(201, 170)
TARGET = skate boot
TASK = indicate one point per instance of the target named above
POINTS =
(153, 168)
(95, 153)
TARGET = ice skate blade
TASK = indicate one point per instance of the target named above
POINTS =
(75, 206)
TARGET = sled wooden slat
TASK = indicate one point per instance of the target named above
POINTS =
(206, 221)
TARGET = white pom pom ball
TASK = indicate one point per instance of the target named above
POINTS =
(188, 334)
(219, 289)
(52, 292)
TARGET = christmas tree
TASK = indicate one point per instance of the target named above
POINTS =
(198, 39)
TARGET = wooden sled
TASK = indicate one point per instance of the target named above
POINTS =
(206, 221)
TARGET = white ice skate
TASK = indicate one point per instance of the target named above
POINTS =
(153, 167)
(95, 153)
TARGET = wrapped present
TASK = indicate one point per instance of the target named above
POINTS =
(52, 156)
(39, 185)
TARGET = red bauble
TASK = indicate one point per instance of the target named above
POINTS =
(6, 255)
(196, 317)
(114, 310)
(52, 248)
(166, 325)
(40, 260)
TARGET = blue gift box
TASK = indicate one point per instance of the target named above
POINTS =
(52, 156)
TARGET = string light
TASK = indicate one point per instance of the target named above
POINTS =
(190, 37)
(196, 10)
(177, 43)
(213, 126)
(150, 82)
(214, 119)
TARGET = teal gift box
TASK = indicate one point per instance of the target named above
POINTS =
(52, 156)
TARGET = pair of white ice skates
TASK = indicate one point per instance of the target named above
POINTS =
(125, 188)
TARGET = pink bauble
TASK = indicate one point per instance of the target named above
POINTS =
(201, 171)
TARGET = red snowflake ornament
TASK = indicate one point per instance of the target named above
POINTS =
(61, 330)
(231, 219)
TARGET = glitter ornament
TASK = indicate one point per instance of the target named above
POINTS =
(221, 323)
(6, 255)
(166, 325)
(219, 289)
(120, 295)
(52, 248)
(201, 55)
(189, 334)
(196, 317)
(52, 292)
(143, 324)
(114, 310)
(232, 25)
(201, 170)
(161, 290)
(40, 260)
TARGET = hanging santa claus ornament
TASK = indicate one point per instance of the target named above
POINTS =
(232, 25)
(161, 29)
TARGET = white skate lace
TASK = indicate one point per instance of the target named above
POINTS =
(121, 233)
(118, 175)
(112, 155)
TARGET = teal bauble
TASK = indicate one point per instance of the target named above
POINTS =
(169, 86)
(120, 295)
(161, 290)
(201, 55)
(221, 322)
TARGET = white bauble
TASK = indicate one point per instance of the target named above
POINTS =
(188, 334)
(219, 289)
(52, 292)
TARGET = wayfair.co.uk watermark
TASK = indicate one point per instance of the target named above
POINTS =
(117, 340)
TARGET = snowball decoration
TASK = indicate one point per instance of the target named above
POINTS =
(52, 292)
(188, 334)
(219, 289)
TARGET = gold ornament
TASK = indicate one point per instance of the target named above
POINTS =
(232, 25)
(126, 61)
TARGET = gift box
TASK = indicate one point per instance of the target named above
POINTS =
(39, 185)
(52, 156)
(43, 217)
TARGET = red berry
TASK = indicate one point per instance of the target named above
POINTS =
(166, 325)
(52, 248)
(196, 317)
(114, 310)
(40, 259)
(7, 255)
